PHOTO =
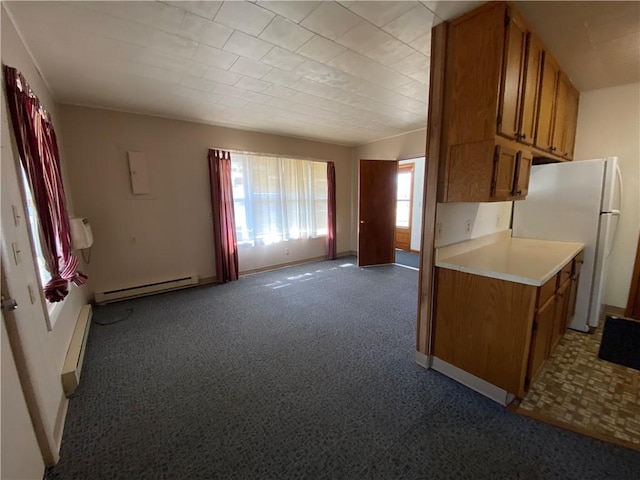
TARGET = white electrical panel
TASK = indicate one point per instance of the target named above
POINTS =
(139, 173)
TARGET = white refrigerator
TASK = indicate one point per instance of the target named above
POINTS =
(576, 202)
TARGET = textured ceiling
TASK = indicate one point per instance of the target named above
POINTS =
(596, 43)
(345, 72)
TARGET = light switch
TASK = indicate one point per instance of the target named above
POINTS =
(16, 215)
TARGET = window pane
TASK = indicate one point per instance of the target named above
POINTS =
(402, 213)
(278, 199)
(44, 274)
(404, 186)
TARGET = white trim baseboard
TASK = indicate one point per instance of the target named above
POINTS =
(481, 386)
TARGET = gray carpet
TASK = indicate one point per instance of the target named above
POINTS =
(409, 259)
(305, 372)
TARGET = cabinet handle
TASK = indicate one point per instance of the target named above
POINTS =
(553, 149)
(519, 192)
(523, 136)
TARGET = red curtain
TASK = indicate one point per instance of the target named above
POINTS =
(331, 200)
(224, 225)
(40, 158)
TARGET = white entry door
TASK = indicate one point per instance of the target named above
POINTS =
(20, 457)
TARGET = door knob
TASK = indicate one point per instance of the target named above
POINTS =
(361, 221)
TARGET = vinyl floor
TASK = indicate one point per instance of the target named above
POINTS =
(583, 391)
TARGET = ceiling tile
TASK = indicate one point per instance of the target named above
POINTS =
(451, 9)
(279, 91)
(233, 102)
(170, 76)
(155, 14)
(214, 57)
(280, 77)
(172, 44)
(197, 83)
(320, 49)
(250, 68)
(412, 64)
(252, 84)
(294, 11)
(283, 59)
(413, 24)
(228, 91)
(244, 16)
(390, 51)
(363, 38)
(362, 67)
(380, 13)
(247, 46)
(423, 44)
(206, 9)
(256, 97)
(285, 34)
(204, 31)
(331, 20)
(222, 76)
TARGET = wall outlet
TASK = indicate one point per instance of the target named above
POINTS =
(468, 226)
(439, 230)
(287, 251)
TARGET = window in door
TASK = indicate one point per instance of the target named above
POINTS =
(403, 206)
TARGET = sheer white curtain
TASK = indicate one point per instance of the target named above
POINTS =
(278, 198)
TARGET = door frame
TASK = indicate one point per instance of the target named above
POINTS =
(411, 167)
(634, 290)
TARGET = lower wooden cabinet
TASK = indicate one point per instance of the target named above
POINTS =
(502, 331)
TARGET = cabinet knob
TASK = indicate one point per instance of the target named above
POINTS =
(553, 149)
(519, 192)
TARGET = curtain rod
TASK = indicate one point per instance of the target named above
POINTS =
(278, 155)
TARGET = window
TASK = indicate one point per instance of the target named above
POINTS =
(31, 212)
(277, 199)
(405, 190)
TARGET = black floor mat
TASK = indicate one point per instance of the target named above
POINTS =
(621, 342)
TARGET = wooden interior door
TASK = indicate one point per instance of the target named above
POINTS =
(377, 212)
(633, 304)
(404, 206)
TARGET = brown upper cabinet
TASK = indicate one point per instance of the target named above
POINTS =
(506, 103)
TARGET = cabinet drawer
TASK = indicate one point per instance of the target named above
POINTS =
(546, 291)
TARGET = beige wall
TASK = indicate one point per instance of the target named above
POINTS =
(46, 350)
(400, 147)
(169, 232)
(609, 125)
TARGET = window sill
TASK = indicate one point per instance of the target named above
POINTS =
(53, 313)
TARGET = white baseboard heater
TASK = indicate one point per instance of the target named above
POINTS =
(147, 289)
(75, 355)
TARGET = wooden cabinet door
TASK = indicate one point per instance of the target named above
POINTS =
(523, 173)
(531, 90)
(571, 122)
(512, 79)
(548, 87)
(560, 314)
(573, 290)
(559, 136)
(504, 170)
(540, 338)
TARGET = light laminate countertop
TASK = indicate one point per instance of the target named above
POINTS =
(519, 260)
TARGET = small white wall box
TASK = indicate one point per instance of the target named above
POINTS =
(139, 173)
(81, 234)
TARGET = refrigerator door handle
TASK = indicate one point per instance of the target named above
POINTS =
(619, 177)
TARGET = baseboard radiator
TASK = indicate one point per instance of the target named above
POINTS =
(148, 289)
(75, 355)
